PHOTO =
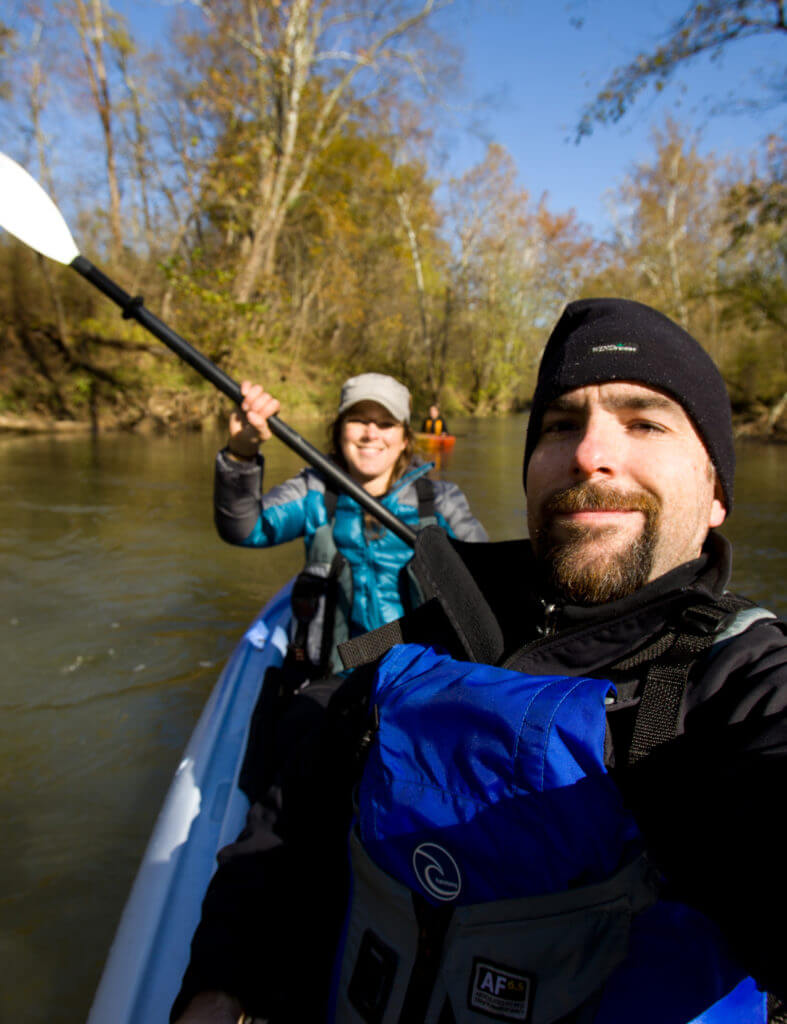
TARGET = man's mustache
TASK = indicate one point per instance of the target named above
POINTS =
(590, 497)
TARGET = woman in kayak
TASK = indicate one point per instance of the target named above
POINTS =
(354, 580)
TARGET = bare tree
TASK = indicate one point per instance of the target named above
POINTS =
(138, 129)
(88, 18)
(423, 313)
(706, 27)
(6, 40)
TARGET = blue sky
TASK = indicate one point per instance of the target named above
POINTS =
(538, 71)
(528, 72)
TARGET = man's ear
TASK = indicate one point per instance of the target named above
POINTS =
(718, 510)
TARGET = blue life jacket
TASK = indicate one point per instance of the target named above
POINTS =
(497, 874)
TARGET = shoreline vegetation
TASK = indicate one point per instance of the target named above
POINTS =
(457, 306)
(163, 417)
(280, 205)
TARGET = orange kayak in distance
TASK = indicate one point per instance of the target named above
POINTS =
(436, 440)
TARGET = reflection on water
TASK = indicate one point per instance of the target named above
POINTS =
(118, 605)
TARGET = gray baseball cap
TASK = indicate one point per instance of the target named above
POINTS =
(380, 388)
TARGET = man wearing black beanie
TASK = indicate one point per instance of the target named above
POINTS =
(629, 471)
(629, 456)
(598, 340)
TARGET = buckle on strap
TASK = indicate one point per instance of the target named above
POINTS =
(703, 619)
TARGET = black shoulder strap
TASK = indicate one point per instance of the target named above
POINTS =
(368, 647)
(672, 657)
(424, 488)
(330, 497)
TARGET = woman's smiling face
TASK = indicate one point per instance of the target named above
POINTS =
(371, 442)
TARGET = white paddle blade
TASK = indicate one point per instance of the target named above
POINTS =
(27, 212)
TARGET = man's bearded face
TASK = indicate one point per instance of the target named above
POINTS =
(584, 563)
(620, 490)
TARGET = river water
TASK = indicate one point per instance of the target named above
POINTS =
(118, 606)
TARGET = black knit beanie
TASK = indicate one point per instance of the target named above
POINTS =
(597, 340)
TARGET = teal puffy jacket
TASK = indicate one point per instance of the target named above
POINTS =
(296, 508)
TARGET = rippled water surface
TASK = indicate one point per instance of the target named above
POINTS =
(118, 605)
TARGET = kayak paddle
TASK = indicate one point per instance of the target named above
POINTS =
(28, 213)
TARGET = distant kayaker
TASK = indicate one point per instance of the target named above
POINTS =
(354, 578)
(435, 422)
(672, 904)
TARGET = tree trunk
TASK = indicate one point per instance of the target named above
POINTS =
(90, 27)
(415, 252)
(777, 411)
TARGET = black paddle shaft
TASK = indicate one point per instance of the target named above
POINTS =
(134, 309)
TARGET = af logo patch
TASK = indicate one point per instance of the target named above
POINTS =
(500, 992)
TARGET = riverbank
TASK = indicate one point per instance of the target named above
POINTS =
(10, 424)
(160, 417)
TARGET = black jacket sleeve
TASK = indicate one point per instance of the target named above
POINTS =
(237, 489)
(710, 803)
(273, 912)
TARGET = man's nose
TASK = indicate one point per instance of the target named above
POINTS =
(598, 451)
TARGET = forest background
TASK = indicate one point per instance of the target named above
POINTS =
(265, 172)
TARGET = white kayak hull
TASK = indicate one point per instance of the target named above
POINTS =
(203, 811)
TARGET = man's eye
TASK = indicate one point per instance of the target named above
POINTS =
(558, 426)
(646, 427)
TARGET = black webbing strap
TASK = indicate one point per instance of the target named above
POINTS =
(443, 575)
(672, 657)
(330, 498)
(424, 489)
(433, 924)
(368, 647)
(426, 624)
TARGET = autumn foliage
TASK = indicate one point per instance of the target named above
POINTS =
(263, 176)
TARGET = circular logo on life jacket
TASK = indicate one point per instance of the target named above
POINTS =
(437, 871)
